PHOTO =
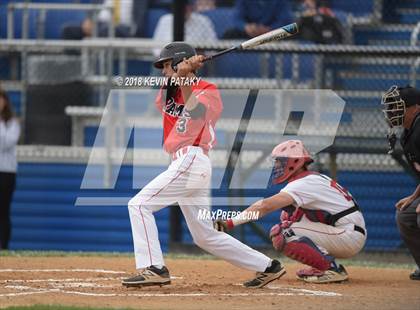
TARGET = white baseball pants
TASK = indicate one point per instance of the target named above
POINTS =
(339, 241)
(187, 182)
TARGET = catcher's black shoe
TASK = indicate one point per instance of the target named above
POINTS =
(149, 277)
(415, 275)
(274, 272)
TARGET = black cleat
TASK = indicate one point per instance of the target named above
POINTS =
(149, 277)
(415, 275)
(274, 272)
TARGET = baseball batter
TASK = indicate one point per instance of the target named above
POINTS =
(320, 220)
(190, 113)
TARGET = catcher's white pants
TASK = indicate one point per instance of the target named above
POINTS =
(339, 241)
(186, 181)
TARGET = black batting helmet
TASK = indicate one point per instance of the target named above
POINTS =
(175, 51)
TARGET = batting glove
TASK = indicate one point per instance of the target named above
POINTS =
(223, 226)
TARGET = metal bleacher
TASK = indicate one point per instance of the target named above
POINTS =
(44, 214)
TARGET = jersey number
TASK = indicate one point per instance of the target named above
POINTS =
(181, 125)
(342, 190)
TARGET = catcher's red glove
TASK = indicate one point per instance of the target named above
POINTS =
(276, 235)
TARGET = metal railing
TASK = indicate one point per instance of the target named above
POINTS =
(414, 42)
(415, 35)
(124, 49)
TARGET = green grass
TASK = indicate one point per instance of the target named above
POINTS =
(57, 307)
(365, 261)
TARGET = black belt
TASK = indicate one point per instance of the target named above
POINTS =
(334, 218)
(360, 230)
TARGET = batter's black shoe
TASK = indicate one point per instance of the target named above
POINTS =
(149, 277)
(274, 272)
(415, 275)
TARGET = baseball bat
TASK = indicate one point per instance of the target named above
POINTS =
(273, 35)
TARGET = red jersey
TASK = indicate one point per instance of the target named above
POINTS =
(179, 128)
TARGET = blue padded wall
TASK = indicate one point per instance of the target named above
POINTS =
(44, 216)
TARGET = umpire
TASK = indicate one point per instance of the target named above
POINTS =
(401, 106)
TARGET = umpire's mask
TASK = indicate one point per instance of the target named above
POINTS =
(393, 106)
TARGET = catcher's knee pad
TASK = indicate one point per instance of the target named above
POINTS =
(305, 251)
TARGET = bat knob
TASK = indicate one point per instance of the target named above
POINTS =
(291, 28)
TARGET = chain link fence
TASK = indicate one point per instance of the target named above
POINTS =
(378, 47)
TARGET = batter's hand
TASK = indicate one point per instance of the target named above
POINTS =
(189, 65)
(251, 29)
(404, 203)
(220, 225)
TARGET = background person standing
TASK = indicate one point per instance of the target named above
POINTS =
(9, 135)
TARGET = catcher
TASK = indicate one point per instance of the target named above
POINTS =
(320, 220)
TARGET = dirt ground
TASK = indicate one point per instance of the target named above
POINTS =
(196, 284)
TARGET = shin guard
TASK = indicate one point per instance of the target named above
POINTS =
(305, 251)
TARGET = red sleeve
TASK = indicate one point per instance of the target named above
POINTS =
(208, 95)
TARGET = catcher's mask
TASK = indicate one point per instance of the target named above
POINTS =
(175, 51)
(288, 158)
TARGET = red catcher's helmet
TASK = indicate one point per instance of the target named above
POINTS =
(288, 158)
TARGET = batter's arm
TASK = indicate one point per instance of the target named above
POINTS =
(191, 101)
(186, 69)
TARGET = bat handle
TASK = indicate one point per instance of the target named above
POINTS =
(210, 57)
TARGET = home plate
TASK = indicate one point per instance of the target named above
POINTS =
(290, 291)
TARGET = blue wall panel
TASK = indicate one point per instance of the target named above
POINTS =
(44, 215)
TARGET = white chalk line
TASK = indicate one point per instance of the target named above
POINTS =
(306, 291)
(64, 270)
(300, 291)
(292, 292)
(158, 294)
(70, 280)
(22, 287)
(22, 294)
(60, 280)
